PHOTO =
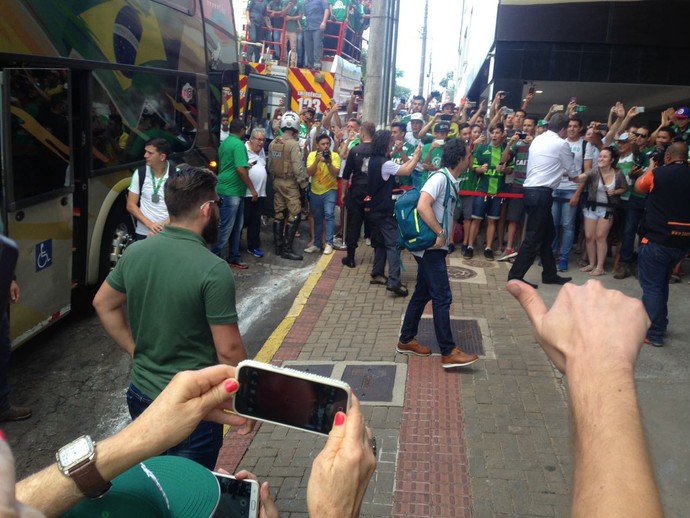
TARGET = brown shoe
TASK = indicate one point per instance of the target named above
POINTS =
(15, 413)
(457, 358)
(413, 347)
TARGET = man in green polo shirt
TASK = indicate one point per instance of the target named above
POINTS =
(170, 304)
(233, 182)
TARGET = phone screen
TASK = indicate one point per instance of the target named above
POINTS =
(238, 498)
(284, 399)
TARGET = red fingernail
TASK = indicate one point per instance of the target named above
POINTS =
(3, 437)
(339, 419)
(231, 386)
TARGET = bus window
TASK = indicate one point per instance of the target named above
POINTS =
(39, 132)
(152, 106)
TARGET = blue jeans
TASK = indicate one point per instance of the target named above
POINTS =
(563, 216)
(5, 352)
(201, 446)
(432, 285)
(654, 264)
(231, 221)
(323, 206)
(313, 46)
(634, 210)
(256, 34)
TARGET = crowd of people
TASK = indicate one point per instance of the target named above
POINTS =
(300, 32)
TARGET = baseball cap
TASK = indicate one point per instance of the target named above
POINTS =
(165, 486)
(442, 126)
(447, 103)
(416, 117)
(310, 109)
(542, 122)
(623, 137)
(683, 113)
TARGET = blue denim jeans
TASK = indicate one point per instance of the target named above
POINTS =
(231, 221)
(432, 285)
(313, 47)
(201, 446)
(563, 216)
(634, 210)
(323, 207)
(256, 34)
(654, 264)
(5, 352)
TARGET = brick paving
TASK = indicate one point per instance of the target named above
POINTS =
(489, 440)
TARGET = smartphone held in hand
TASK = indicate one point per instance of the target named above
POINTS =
(238, 498)
(289, 397)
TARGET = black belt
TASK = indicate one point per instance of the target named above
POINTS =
(541, 189)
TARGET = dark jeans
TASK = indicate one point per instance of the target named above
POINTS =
(384, 239)
(432, 285)
(654, 264)
(256, 34)
(201, 446)
(539, 234)
(634, 210)
(252, 220)
(355, 216)
(5, 353)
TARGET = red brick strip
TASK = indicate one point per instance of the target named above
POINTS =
(432, 472)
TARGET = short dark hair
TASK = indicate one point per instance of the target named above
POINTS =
(187, 189)
(520, 110)
(161, 145)
(498, 126)
(578, 120)
(400, 125)
(355, 120)
(236, 125)
(453, 151)
(558, 122)
(380, 144)
(322, 136)
(532, 118)
(368, 128)
(667, 129)
(419, 98)
(462, 126)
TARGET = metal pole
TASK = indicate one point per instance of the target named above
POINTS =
(423, 62)
(376, 64)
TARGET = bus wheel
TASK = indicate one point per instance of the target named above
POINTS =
(117, 236)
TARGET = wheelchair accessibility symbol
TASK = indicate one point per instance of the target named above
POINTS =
(44, 255)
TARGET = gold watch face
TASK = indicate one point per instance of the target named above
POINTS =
(75, 453)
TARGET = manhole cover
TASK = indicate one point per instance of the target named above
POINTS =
(456, 272)
(467, 334)
(479, 263)
(371, 382)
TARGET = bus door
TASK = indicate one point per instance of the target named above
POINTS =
(38, 184)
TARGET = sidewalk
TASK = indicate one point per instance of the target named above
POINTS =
(492, 439)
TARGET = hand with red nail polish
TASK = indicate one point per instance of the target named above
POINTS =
(341, 472)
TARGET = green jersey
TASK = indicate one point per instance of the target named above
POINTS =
(397, 158)
(232, 154)
(297, 10)
(491, 181)
(340, 9)
(625, 165)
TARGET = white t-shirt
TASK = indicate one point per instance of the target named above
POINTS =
(156, 212)
(257, 172)
(224, 134)
(578, 157)
(592, 153)
(436, 187)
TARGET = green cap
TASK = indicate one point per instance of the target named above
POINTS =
(163, 486)
(542, 122)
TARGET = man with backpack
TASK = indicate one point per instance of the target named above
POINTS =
(146, 198)
(436, 207)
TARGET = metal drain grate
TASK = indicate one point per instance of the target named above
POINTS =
(371, 382)
(458, 273)
(467, 334)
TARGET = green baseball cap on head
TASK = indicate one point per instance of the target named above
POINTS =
(542, 122)
(165, 486)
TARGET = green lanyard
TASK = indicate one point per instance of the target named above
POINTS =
(155, 198)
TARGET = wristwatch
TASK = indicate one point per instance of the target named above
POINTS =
(77, 460)
(441, 232)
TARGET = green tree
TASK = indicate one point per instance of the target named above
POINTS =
(399, 91)
(448, 83)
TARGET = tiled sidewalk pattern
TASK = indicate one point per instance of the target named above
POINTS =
(489, 440)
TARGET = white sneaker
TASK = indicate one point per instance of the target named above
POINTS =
(328, 250)
(311, 249)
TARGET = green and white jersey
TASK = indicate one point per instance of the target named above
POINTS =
(491, 181)
(340, 8)
(397, 158)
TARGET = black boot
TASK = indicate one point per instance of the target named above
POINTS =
(289, 238)
(278, 226)
(349, 260)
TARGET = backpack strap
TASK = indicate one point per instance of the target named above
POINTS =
(142, 177)
(447, 197)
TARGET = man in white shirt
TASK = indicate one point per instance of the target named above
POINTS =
(549, 156)
(146, 200)
(253, 207)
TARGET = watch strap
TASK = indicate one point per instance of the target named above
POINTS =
(89, 480)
